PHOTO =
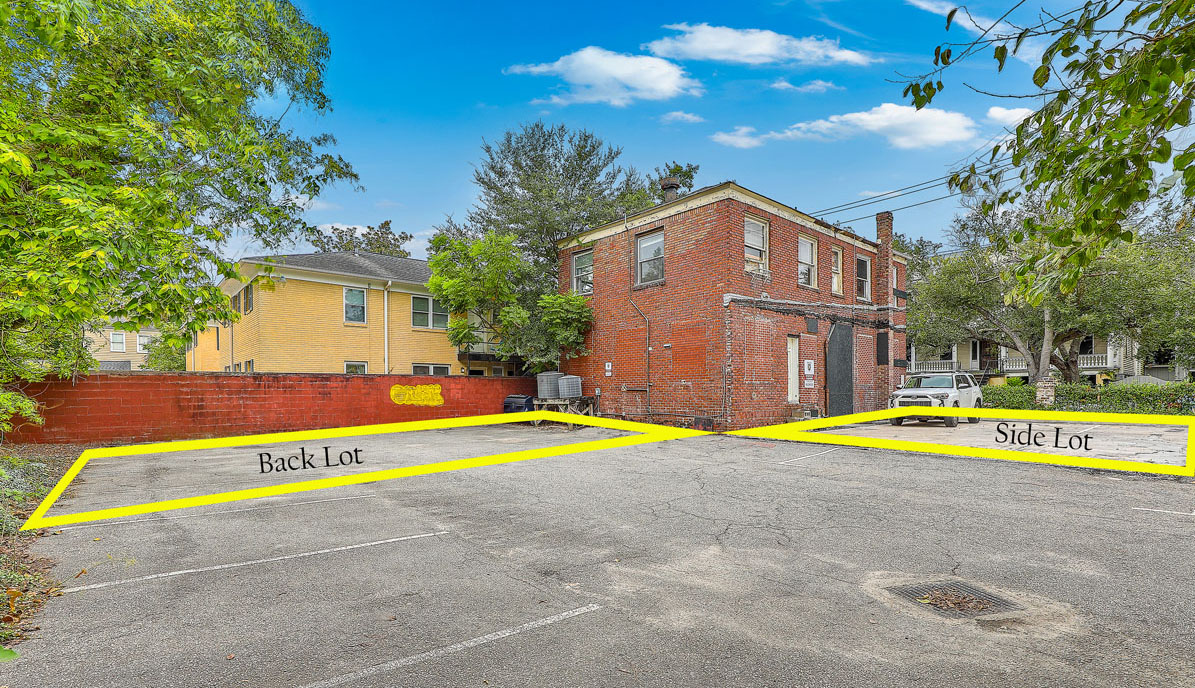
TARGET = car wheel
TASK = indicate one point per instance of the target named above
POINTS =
(978, 404)
(896, 421)
(952, 421)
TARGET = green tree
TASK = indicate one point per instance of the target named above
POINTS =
(921, 252)
(380, 239)
(1137, 289)
(1118, 82)
(166, 352)
(685, 173)
(131, 147)
(543, 184)
(537, 186)
(482, 283)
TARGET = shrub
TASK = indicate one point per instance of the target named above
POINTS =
(1008, 396)
(1176, 398)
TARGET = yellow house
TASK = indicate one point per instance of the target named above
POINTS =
(119, 349)
(345, 312)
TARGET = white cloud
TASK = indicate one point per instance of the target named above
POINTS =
(871, 194)
(741, 137)
(597, 75)
(681, 116)
(387, 203)
(815, 86)
(308, 203)
(328, 226)
(751, 46)
(1031, 49)
(904, 126)
(1008, 117)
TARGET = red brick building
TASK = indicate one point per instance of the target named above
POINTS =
(729, 307)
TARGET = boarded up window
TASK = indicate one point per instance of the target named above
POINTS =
(882, 348)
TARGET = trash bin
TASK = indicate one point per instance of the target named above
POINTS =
(516, 403)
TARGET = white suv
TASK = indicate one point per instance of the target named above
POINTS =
(958, 390)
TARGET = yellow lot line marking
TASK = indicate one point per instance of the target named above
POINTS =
(802, 431)
(646, 434)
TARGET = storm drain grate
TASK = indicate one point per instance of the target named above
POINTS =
(954, 599)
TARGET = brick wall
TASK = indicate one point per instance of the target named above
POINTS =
(147, 407)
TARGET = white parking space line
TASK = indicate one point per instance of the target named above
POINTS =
(809, 456)
(1165, 511)
(451, 649)
(220, 567)
(213, 513)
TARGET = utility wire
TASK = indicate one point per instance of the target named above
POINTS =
(903, 191)
(903, 207)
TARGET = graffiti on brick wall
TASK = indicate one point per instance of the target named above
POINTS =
(417, 395)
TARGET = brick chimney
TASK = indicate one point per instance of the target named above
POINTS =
(671, 188)
(887, 376)
(883, 269)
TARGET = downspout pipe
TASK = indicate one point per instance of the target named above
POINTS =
(386, 326)
(647, 344)
(646, 355)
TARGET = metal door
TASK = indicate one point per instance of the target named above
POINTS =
(840, 370)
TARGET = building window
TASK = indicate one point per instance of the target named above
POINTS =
(228, 369)
(430, 369)
(236, 367)
(477, 372)
(836, 270)
(217, 339)
(497, 371)
(649, 258)
(806, 262)
(356, 367)
(249, 366)
(583, 272)
(1087, 345)
(117, 342)
(428, 312)
(143, 343)
(236, 303)
(354, 305)
(863, 279)
(755, 238)
(248, 292)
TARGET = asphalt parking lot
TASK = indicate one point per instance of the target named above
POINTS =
(1162, 444)
(707, 561)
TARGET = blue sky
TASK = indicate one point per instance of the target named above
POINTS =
(791, 99)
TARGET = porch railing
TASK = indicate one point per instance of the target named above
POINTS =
(1086, 362)
(933, 366)
(1093, 361)
(1011, 363)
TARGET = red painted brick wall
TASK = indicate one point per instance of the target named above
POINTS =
(727, 361)
(147, 407)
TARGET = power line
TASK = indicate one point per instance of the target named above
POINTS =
(880, 197)
(903, 207)
(903, 191)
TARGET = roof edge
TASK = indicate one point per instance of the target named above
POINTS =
(303, 268)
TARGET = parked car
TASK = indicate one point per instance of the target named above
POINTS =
(957, 390)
